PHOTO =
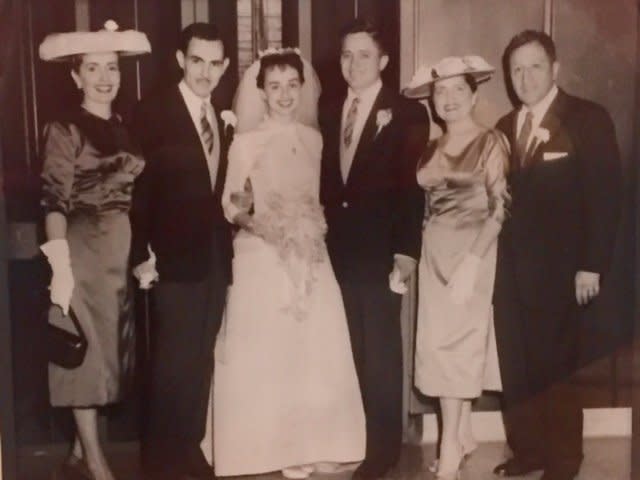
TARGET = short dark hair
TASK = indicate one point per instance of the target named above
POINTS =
(368, 26)
(468, 79)
(201, 30)
(279, 60)
(529, 36)
(76, 61)
(471, 81)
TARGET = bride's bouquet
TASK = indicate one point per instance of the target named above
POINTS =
(296, 227)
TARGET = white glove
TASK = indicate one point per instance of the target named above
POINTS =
(146, 272)
(463, 280)
(62, 283)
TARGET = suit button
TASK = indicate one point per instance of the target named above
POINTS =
(345, 204)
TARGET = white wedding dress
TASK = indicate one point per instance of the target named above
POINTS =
(285, 386)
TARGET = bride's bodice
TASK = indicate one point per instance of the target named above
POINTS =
(282, 159)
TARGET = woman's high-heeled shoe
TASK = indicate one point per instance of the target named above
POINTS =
(466, 455)
(453, 475)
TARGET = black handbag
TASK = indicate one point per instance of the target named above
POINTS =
(66, 349)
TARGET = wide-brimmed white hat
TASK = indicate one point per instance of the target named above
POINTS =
(422, 81)
(64, 46)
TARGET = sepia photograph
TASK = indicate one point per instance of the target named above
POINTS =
(319, 239)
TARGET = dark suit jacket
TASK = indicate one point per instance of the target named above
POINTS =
(564, 212)
(379, 211)
(174, 208)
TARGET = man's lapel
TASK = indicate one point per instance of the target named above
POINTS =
(369, 132)
(332, 142)
(181, 120)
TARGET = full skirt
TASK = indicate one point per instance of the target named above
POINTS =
(285, 388)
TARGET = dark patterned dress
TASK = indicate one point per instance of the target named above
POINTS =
(89, 170)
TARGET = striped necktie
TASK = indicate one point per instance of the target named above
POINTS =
(205, 129)
(523, 138)
(350, 121)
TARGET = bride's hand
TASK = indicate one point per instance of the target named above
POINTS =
(242, 200)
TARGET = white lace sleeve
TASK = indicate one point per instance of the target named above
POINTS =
(240, 163)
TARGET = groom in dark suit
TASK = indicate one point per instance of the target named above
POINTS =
(177, 215)
(374, 210)
(554, 252)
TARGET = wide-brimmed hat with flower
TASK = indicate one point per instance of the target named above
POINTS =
(422, 81)
(65, 46)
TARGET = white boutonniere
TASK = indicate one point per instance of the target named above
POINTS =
(541, 135)
(229, 118)
(383, 117)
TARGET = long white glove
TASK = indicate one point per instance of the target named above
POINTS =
(62, 283)
(464, 278)
(146, 272)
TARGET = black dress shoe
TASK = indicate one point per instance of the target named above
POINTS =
(515, 467)
(368, 471)
(196, 466)
(73, 468)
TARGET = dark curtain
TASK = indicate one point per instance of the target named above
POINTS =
(9, 15)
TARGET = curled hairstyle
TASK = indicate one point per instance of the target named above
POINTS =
(525, 37)
(201, 30)
(281, 61)
(368, 26)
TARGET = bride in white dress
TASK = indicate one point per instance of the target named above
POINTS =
(286, 394)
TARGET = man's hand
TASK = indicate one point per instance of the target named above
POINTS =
(587, 286)
(403, 267)
(146, 272)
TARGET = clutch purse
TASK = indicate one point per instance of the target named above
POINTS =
(66, 349)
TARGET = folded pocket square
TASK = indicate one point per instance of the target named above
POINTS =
(547, 156)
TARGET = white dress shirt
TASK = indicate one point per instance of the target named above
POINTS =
(539, 110)
(367, 98)
(194, 106)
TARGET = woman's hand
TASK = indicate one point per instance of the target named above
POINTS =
(62, 282)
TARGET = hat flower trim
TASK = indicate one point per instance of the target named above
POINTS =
(383, 117)
(229, 118)
(110, 26)
(278, 51)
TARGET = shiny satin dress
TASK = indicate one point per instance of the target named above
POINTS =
(88, 174)
(455, 344)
